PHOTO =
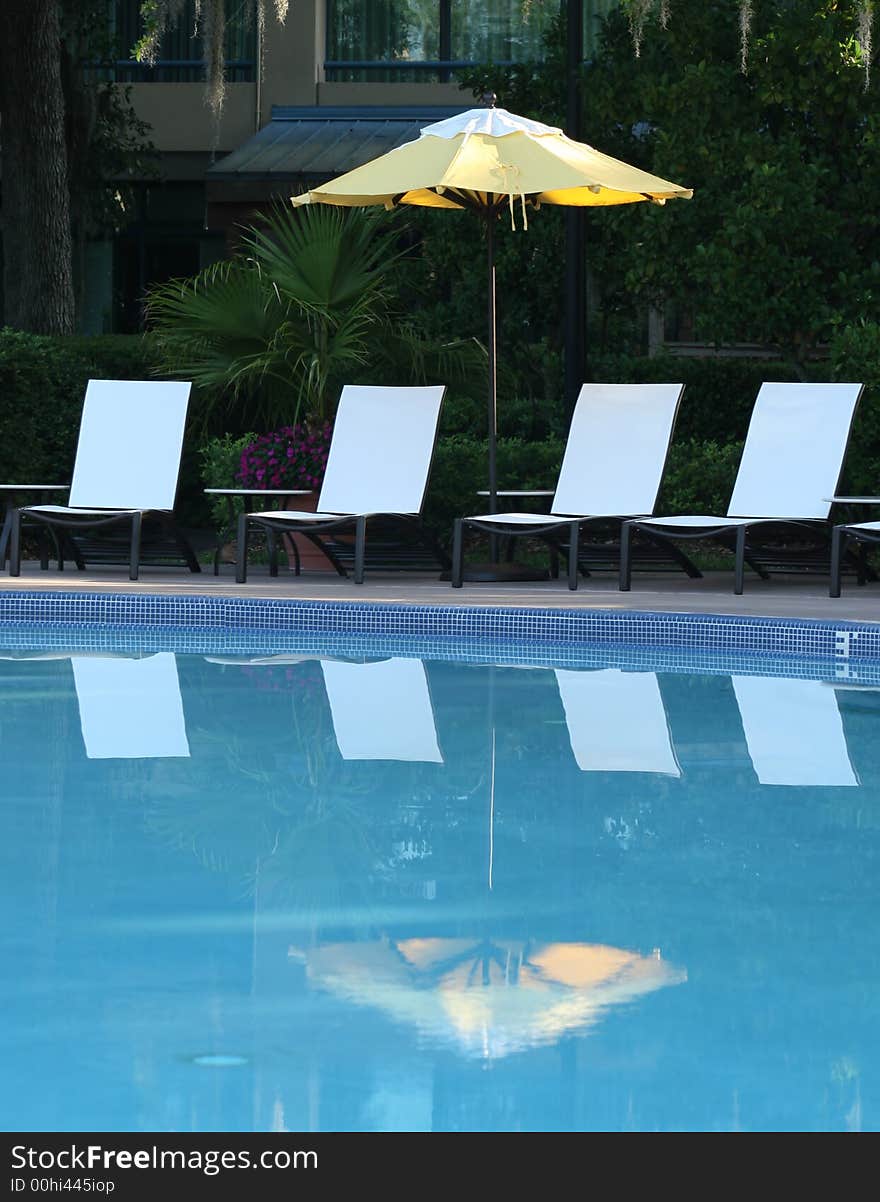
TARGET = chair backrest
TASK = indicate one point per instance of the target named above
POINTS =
(382, 711)
(381, 450)
(130, 442)
(794, 731)
(130, 708)
(794, 450)
(616, 450)
(617, 721)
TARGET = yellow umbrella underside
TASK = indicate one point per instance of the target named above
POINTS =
(478, 169)
(532, 996)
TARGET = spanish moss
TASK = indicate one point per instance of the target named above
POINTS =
(746, 13)
(865, 35)
(210, 25)
(638, 11)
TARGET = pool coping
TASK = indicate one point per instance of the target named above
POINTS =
(248, 620)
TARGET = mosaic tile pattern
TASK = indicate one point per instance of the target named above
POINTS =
(235, 649)
(251, 625)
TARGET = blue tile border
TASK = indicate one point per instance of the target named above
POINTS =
(247, 623)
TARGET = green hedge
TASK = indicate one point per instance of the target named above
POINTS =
(42, 383)
(698, 478)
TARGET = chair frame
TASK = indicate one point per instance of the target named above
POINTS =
(570, 525)
(274, 522)
(92, 517)
(734, 531)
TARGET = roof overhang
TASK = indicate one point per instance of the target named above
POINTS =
(302, 146)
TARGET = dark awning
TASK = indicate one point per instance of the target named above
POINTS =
(304, 145)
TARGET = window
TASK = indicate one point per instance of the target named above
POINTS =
(403, 40)
(180, 58)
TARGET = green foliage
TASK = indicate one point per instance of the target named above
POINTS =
(780, 240)
(220, 459)
(719, 392)
(699, 476)
(855, 356)
(305, 308)
(43, 383)
(460, 470)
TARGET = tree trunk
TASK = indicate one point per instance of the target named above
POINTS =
(37, 272)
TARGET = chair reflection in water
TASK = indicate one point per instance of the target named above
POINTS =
(382, 710)
(616, 721)
(130, 708)
(793, 729)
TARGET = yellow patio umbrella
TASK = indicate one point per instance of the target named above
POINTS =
(487, 998)
(488, 160)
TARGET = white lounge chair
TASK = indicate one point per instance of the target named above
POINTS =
(616, 721)
(382, 711)
(380, 456)
(794, 731)
(127, 466)
(790, 466)
(614, 459)
(130, 708)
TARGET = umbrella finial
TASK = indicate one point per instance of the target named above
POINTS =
(489, 100)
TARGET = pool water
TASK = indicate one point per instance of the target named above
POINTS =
(373, 892)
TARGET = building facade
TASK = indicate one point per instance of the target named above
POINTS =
(338, 83)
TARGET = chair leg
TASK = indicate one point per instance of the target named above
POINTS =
(135, 546)
(625, 557)
(360, 538)
(573, 531)
(740, 564)
(862, 576)
(241, 549)
(457, 553)
(15, 544)
(838, 536)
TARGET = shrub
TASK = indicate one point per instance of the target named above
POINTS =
(719, 393)
(699, 477)
(43, 383)
(220, 460)
(855, 356)
(460, 470)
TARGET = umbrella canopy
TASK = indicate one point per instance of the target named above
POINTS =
(485, 160)
(488, 998)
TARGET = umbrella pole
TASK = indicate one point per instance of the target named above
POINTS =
(494, 570)
(493, 373)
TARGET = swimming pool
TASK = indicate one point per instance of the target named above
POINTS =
(313, 885)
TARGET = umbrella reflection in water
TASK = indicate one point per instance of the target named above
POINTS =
(486, 998)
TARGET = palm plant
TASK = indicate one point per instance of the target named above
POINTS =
(305, 305)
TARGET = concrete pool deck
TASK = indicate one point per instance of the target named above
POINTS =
(780, 597)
